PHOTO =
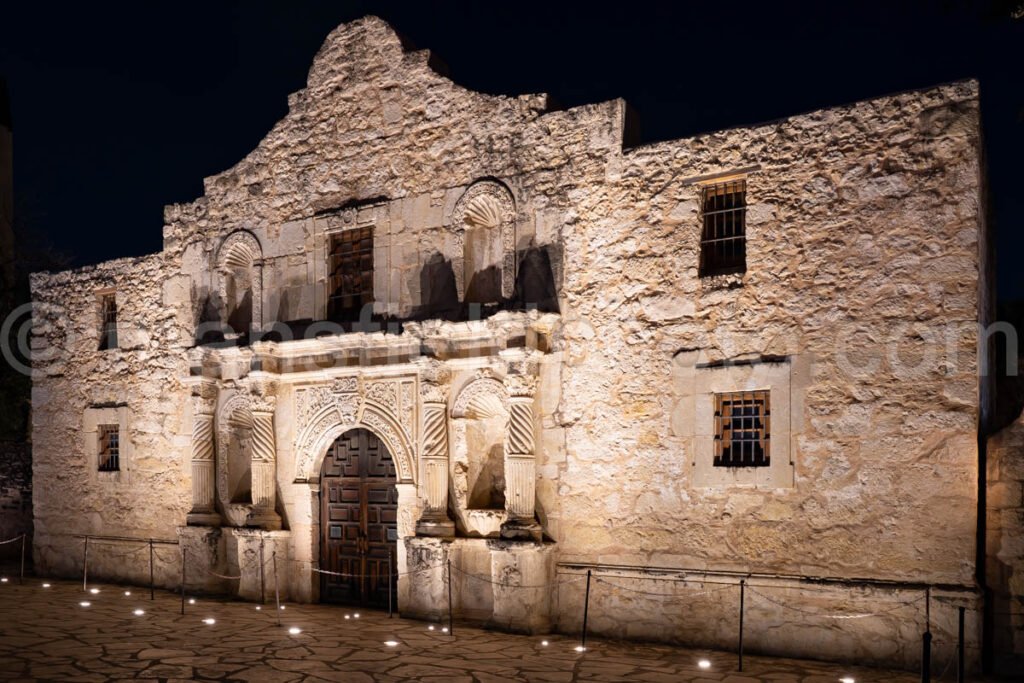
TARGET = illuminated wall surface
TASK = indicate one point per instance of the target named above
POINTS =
(560, 382)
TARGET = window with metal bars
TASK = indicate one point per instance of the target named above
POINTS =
(351, 274)
(110, 448)
(108, 321)
(723, 242)
(742, 429)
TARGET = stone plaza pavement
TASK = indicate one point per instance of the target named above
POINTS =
(47, 634)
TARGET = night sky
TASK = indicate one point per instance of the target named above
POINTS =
(121, 109)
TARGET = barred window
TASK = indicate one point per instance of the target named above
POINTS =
(351, 274)
(110, 448)
(723, 243)
(108, 321)
(742, 429)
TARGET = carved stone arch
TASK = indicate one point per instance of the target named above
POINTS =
(328, 424)
(481, 398)
(486, 210)
(240, 273)
(479, 427)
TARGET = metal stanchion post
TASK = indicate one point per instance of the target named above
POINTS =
(960, 646)
(152, 592)
(277, 592)
(743, 595)
(184, 557)
(85, 566)
(263, 589)
(21, 580)
(451, 626)
(389, 584)
(586, 611)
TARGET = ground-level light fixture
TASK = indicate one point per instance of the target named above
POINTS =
(191, 601)
(127, 593)
(209, 622)
(3, 579)
(580, 648)
(847, 679)
(430, 628)
(94, 591)
(444, 630)
(391, 643)
(348, 616)
(46, 585)
(295, 630)
(258, 607)
(139, 612)
(544, 643)
(704, 663)
(85, 603)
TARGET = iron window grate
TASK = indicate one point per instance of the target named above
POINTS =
(110, 448)
(723, 243)
(351, 273)
(743, 429)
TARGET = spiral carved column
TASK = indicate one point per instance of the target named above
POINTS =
(435, 520)
(520, 460)
(264, 462)
(203, 512)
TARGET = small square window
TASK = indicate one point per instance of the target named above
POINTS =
(108, 321)
(743, 429)
(109, 448)
(723, 242)
(351, 274)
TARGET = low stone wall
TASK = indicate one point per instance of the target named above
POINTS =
(864, 625)
(15, 496)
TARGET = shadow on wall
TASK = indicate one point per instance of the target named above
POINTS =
(15, 497)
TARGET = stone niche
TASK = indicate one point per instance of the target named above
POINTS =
(480, 418)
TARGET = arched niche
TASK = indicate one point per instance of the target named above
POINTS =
(480, 416)
(485, 237)
(234, 459)
(240, 271)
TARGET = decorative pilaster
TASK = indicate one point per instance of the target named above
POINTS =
(520, 460)
(264, 458)
(435, 520)
(203, 512)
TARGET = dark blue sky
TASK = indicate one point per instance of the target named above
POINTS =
(119, 109)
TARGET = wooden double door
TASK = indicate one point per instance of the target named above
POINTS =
(358, 521)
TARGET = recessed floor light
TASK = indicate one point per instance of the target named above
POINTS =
(347, 616)
(191, 601)
(430, 628)
(85, 603)
(295, 630)
(847, 679)
(704, 663)
(354, 616)
(209, 622)
(94, 591)
(139, 612)
(127, 593)
(544, 643)
(258, 607)
(444, 630)
(46, 585)
(580, 648)
(282, 606)
(3, 580)
(391, 643)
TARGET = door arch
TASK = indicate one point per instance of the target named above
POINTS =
(358, 520)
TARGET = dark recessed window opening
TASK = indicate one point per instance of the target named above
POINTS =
(723, 242)
(108, 322)
(110, 448)
(742, 429)
(351, 274)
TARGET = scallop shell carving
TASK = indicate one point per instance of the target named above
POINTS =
(483, 211)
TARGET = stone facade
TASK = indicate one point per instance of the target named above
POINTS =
(547, 359)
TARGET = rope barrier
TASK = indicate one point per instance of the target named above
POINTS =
(12, 540)
(513, 585)
(836, 616)
(665, 595)
(384, 575)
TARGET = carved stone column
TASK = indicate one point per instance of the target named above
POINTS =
(264, 459)
(203, 512)
(435, 520)
(520, 461)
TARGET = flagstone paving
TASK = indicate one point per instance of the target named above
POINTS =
(46, 634)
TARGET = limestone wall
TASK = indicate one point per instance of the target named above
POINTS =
(1005, 543)
(137, 386)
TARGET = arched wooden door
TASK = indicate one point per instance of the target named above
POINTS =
(358, 520)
